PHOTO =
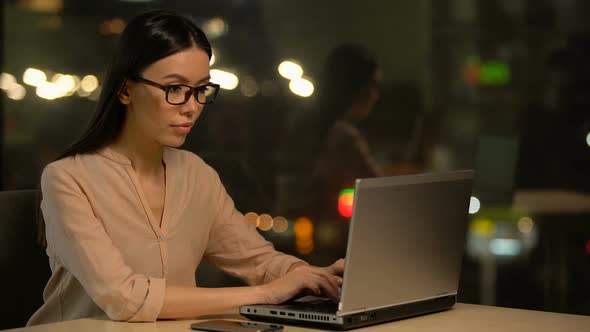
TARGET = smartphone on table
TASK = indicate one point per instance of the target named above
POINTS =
(222, 325)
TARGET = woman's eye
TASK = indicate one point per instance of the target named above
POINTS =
(175, 88)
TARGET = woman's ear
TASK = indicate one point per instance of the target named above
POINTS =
(125, 93)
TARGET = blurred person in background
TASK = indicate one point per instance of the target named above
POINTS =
(325, 148)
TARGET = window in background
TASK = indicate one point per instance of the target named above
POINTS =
(496, 85)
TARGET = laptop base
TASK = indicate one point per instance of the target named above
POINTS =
(352, 321)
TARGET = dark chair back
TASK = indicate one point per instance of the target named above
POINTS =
(24, 266)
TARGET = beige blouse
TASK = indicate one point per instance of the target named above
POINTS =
(108, 253)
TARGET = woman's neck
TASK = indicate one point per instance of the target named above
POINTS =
(145, 154)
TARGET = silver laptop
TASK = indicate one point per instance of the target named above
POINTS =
(405, 248)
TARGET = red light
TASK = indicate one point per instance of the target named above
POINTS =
(345, 202)
(471, 73)
(588, 247)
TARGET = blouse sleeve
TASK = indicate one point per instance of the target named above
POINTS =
(236, 247)
(81, 244)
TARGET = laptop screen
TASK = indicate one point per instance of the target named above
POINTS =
(406, 239)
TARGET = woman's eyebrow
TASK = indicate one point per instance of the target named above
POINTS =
(178, 76)
(184, 79)
(204, 79)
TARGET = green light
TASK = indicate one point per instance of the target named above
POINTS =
(346, 191)
(495, 73)
(346, 202)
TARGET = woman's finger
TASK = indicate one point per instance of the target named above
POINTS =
(333, 280)
(328, 285)
(337, 268)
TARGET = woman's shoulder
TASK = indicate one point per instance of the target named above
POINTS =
(67, 164)
(182, 156)
(343, 132)
(189, 161)
(192, 167)
(345, 128)
(71, 168)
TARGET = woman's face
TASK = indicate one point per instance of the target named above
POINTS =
(367, 100)
(149, 115)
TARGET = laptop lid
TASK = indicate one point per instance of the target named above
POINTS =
(406, 239)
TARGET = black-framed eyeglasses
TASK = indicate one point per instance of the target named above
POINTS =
(178, 94)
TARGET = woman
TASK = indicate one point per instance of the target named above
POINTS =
(128, 217)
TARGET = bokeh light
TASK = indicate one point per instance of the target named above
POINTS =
(49, 91)
(505, 247)
(265, 222)
(301, 87)
(215, 27)
(34, 77)
(483, 227)
(6, 81)
(252, 218)
(280, 224)
(303, 230)
(474, 205)
(89, 83)
(345, 202)
(225, 79)
(525, 225)
(290, 70)
(16, 92)
(249, 87)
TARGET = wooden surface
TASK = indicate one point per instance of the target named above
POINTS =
(463, 317)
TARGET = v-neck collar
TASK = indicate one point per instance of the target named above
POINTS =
(158, 225)
(119, 158)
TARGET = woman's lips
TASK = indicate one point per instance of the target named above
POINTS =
(183, 128)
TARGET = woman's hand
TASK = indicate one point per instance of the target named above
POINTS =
(306, 279)
(337, 268)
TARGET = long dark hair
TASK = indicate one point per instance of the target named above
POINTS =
(146, 39)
